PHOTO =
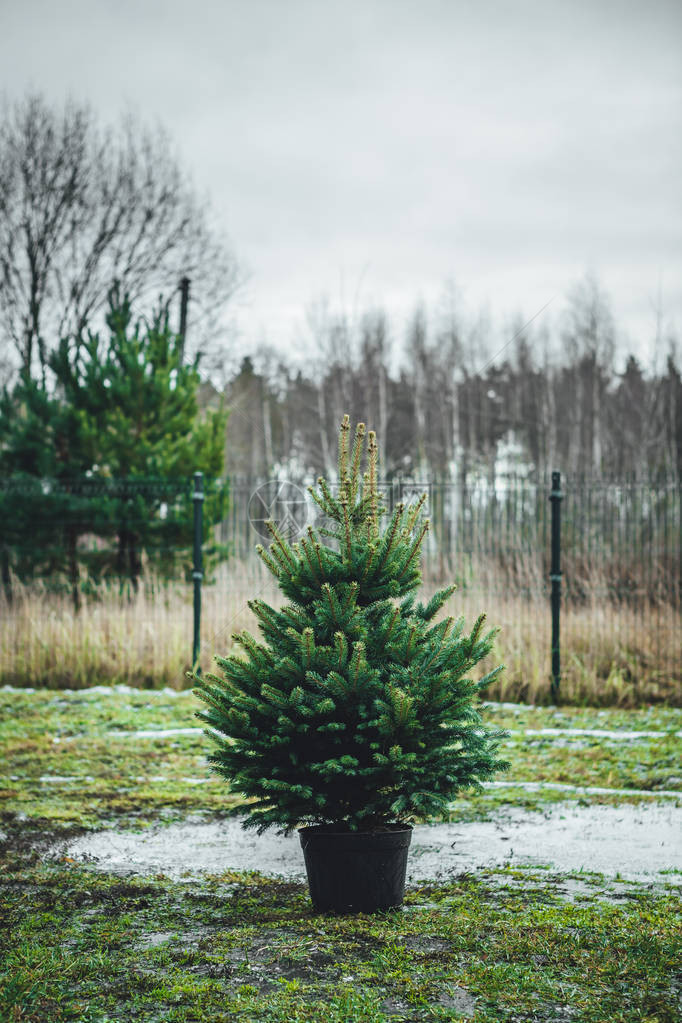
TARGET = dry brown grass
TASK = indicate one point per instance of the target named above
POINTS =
(612, 654)
(142, 639)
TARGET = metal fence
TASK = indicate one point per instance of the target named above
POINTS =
(620, 540)
(620, 557)
(620, 554)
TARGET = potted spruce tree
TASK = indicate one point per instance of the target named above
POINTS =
(355, 714)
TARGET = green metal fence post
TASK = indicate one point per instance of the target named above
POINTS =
(197, 573)
(556, 497)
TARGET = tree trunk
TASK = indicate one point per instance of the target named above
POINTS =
(128, 559)
(74, 574)
(325, 450)
(6, 574)
(134, 560)
(267, 427)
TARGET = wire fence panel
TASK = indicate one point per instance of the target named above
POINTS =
(620, 540)
(621, 626)
(621, 572)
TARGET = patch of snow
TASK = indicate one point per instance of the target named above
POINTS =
(155, 733)
(639, 843)
(120, 687)
(597, 733)
(516, 707)
(47, 779)
(589, 790)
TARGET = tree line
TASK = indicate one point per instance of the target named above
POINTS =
(85, 206)
(446, 408)
(100, 405)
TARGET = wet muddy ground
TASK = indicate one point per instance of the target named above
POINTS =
(127, 894)
(638, 843)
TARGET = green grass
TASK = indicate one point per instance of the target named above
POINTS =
(500, 946)
(517, 945)
(140, 779)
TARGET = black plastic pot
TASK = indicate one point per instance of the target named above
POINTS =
(356, 871)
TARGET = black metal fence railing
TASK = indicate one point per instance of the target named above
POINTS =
(620, 540)
(614, 570)
(72, 533)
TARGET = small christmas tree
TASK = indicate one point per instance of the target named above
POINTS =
(356, 709)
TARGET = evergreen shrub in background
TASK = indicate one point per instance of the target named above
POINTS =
(96, 469)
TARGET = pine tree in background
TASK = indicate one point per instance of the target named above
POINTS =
(132, 385)
(357, 708)
(109, 452)
(43, 447)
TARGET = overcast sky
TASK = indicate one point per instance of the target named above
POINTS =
(372, 150)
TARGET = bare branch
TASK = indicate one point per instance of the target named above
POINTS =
(82, 206)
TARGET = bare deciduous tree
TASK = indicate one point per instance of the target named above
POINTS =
(589, 339)
(82, 206)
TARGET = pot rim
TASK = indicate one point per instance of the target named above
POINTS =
(394, 828)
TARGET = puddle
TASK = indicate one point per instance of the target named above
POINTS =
(638, 843)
